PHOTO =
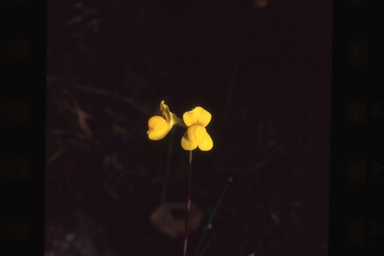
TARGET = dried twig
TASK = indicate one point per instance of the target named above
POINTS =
(55, 156)
(81, 116)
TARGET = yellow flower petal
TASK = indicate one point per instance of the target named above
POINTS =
(206, 143)
(196, 133)
(197, 116)
(157, 128)
(165, 112)
(177, 121)
(186, 143)
(169, 117)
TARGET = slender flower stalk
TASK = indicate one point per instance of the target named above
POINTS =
(195, 136)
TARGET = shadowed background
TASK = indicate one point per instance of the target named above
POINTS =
(264, 73)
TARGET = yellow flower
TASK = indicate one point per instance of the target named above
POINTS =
(159, 126)
(196, 135)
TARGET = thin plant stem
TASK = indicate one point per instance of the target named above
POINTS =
(165, 184)
(188, 203)
(169, 157)
(212, 215)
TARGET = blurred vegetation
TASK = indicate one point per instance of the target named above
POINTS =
(109, 65)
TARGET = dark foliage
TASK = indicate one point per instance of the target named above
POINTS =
(263, 74)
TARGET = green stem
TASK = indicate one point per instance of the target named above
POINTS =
(212, 215)
(165, 184)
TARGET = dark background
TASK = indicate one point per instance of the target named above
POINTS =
(263, 72)
(356, 191)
